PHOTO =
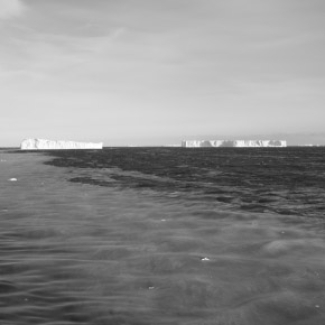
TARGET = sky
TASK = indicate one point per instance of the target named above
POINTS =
(146, 72)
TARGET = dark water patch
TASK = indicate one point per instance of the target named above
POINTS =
(254, 207)
(225, 199)
(7, 287)
(287, 211)
(270, 177)
(30, 234)
(267, 200)
(89, 180)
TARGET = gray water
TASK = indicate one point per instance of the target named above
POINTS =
(81, 254)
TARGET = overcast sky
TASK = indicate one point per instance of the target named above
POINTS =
(156, 71)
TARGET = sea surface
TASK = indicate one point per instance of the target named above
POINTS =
(163, 236)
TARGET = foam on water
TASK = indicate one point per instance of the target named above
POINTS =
(74, 253)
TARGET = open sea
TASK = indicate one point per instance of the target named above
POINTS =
(163, 236)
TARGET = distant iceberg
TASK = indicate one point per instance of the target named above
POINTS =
(42, 144)
(233, 143)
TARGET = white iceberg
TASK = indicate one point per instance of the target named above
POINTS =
(42, 144)
(233, 143)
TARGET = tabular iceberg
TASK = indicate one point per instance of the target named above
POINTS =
(42, 144)
(233, 143)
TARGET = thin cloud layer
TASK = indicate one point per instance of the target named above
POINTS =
(10, 8)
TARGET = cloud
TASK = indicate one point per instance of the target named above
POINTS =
(10, 8)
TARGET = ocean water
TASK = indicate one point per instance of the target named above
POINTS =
(139, 236)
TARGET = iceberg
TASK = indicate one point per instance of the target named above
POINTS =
(233, 143)
(42, 144)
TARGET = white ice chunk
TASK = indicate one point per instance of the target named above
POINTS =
(233, 143)
(42, 144)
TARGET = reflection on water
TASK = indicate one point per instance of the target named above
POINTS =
(74, 253)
